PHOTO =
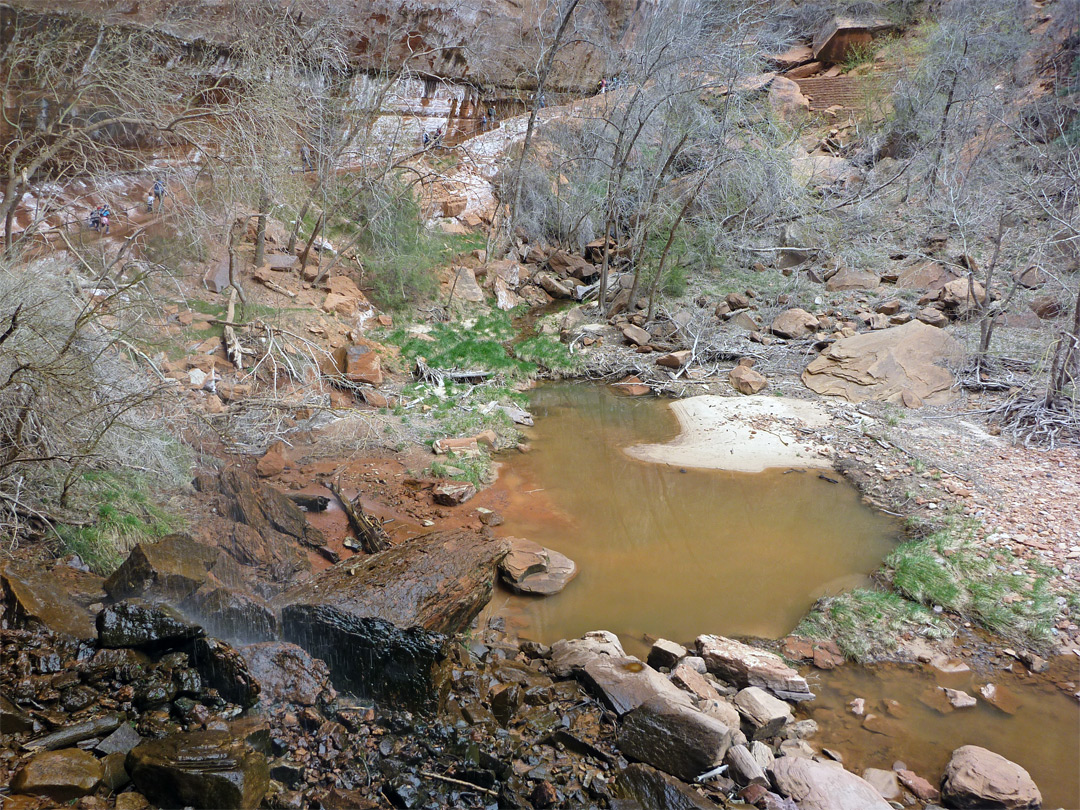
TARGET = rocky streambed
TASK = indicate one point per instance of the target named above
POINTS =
(219, 670)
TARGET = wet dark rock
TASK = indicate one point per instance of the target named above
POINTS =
(135, 623)
(204, 769)
(230, 613)
(32, 597)
(59, 775)
(223, 668)
(114, 773)
(76, 732)
(14, 720)
(380, 622)
(405, 791)
(288, 674)
(674, 738)
(655, 790)
(122, 740)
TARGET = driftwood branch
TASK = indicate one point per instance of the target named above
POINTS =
(368, 531)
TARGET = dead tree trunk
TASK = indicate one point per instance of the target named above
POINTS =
(368, 530)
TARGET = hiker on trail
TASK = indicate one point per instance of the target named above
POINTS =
(603, 86)
(95, 218)
(105, 214)
(491, 114)
(159, 191)
(483, 122)
(427, 139)
(438, 135)
(150, 203)
(305, 157)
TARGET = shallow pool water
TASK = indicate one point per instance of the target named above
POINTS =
(664, 551)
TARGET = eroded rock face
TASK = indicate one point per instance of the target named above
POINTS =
(380, 622)
(817, 786)
(202, 769)
(978, 778)
(134, 623)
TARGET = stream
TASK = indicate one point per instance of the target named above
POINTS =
(674, 553)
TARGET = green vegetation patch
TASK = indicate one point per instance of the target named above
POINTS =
(478, 345)
(866, 623)
(125, 516)
(989, 587)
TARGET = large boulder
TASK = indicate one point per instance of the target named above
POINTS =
(222, 667)
(817, 786)
(788, 102)
(380, 622)
(764, 714)
(171, 569)
(59, 775)
(884, 365)
(360, 363)
(674, 737)
(743, 665)
(202, 769)
(794, 323)
(848, 279)
(747, 380)
(978, 778)
(531, 568)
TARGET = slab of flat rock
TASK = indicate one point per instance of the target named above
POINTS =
(686, 677)
(674, 737)
(794, 323)
(626, 683)
(59, 775)
(743, 665)
(453, 493)
(39, 597)
(636, 335)
(651, 789)
(976, 778)
(134, 623)
(817, 786)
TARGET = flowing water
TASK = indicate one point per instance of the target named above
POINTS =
(667, 551)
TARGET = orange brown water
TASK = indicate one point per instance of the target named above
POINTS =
(669, 552)
(1043, 735)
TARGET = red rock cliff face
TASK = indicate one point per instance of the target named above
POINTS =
(484, 41)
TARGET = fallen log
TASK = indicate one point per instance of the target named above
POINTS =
(437, 375)
(368, 530)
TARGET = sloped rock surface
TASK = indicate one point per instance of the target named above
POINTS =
(978, 778)
(817, 786)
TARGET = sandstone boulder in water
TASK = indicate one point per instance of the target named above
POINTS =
(743, 665)
(530, 568)
(202, 769)
(380, 621)
(817, 786)
(976, 778)
(59, 775)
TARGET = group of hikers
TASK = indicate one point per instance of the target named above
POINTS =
(435, 139)
(101, 216)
